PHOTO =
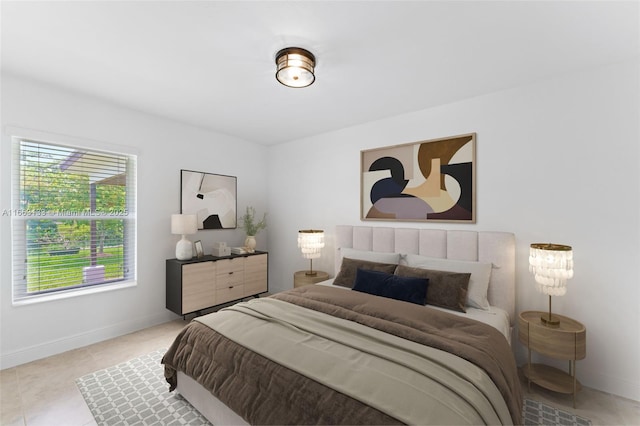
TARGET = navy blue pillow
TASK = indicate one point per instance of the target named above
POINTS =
(408, 289)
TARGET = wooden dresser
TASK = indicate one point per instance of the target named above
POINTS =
(197, 284)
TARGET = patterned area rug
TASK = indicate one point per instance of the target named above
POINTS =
(538, 413)
(135, 393)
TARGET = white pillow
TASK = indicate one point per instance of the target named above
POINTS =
(478, 283)
(371, 256)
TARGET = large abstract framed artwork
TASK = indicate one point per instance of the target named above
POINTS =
(212, 198)
(427, 181)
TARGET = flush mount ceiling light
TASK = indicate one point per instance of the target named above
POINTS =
(295, 67)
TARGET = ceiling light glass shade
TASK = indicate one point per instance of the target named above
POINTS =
(311, 242)
(295, 67)
(552, 266)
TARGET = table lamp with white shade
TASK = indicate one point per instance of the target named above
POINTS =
(311, 242)
(184, 224)
(552, 266)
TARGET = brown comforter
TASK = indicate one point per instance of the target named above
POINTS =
(264, 392)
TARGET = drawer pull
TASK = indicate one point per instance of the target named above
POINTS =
(231, 273)
(230, 286)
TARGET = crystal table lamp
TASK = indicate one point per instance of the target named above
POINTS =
(311, 242)
(552, 266)
(184, 224)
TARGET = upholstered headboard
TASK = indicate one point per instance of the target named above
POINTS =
(482, 246)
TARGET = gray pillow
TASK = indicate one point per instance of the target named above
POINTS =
(446, 289)
(480, 275)
(347, 275)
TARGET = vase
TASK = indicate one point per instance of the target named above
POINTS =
(250, 243)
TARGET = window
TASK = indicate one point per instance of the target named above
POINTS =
(73, 218)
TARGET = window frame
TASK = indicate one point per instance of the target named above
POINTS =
(18, 228)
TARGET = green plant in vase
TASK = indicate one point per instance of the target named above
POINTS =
(251, 227)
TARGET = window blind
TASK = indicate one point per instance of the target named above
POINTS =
(73, 218)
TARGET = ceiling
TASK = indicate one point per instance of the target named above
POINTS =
(211, 63)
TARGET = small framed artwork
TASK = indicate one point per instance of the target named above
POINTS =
(426, 181)
(199, 251)
(212, 198)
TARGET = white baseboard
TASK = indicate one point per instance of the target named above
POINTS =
(612, 385)
(76, 341)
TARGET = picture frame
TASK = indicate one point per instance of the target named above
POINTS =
(425, 181)
(211, 197)
(199, 250)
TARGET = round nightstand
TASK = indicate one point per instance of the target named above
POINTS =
(301, 279)
(566, 341)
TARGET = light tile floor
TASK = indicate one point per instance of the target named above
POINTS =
(44, 392)
(599, 407)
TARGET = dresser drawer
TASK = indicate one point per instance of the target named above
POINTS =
(227, 266)
(231, 279)
(232, 292)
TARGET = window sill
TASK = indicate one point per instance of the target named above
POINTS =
(74, 293)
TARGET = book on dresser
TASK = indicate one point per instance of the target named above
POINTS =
(198, 284)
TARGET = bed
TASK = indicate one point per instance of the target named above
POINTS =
(327, 354)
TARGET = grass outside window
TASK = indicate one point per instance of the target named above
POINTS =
(66, 270)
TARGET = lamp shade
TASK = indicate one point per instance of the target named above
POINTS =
(295, 67)
(184, 224)
(311, 242)
(552, 266)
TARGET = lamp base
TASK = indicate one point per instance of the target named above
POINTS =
(550, 320)
(184, 249)
(311, 273)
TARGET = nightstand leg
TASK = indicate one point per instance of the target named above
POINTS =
(529, 371)
(572, 366)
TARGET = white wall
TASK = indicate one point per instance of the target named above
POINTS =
(163, 147)
(557, 161)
